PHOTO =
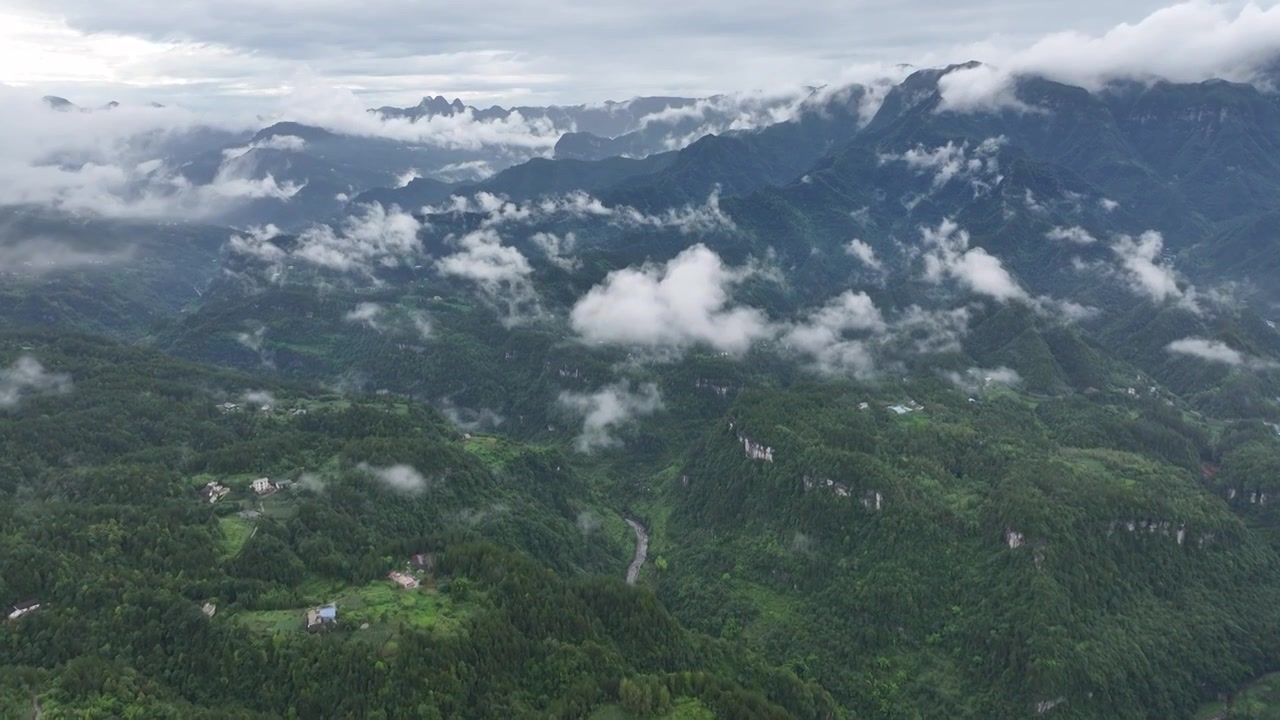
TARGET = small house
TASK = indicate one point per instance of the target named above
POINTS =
(23, 608)
(283, 484)
(321, 618)
(262, 486)
(213, 492)
(407, 582)
(424, 561)
(208, 609)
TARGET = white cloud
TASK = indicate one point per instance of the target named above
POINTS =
(367, 314)
(1216, 352)
(1108, 204)
(588, 522)
(312, 482)
(1146, 272)
(976, 379)
(376, 237)
(110, 163)
(400, 478)
(291, 143)
(1187, 42)
(679, 304)
(407, 177)
(1074, 234)
(824, 336)
(500, 271)
(259, 397)
(948, 255)
(929, 331)
(608, 409)
(980, 166)
(498, 211)
(25, 376)
(40, 255)
(465, 170)
(557, 249)
(864, 253)
(380, 318)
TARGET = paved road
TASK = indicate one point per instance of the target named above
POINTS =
(642, 551)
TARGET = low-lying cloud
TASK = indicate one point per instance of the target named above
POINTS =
(399, 478)
(501, 272)
(25, 377)
(975, 379)
(979, 166)
(864, 253)
(375, 237)
(948, 255)
(381, 318)
(1187, 42)
(678, 304)
(558, 249)
(498, 210)
(1075, 235)
(1215, 351)
(825, 336)
(605, 411)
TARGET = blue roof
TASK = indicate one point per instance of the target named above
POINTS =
(329, 611)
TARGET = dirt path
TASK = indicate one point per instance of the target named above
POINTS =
(35, 707)
(642, 551)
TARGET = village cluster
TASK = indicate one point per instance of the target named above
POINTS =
(420, 566)
(213, 491)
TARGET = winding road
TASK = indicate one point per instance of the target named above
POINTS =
(642, 551)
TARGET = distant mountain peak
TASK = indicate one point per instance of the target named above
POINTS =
(59, 103)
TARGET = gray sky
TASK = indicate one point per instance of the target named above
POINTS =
(249, 53)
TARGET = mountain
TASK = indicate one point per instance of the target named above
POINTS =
(906, 409)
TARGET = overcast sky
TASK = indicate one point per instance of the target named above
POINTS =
(247, 52)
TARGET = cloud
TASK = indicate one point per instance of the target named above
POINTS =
(367, 314)
(42, 255)
(1187, 42)
(380, 318)
(1210, 350)
(498, 210)
(864, 253)
(375, 237)
(948, 255)
(500, 271)
(929, 331)
(824, 336)
(114, 163)
(312, 482)
(466, 170)
(976, 379)
(1215, 351)
(980, 166)
(676, 305)
(468, 419)
(1144, 270)
(290, 143)
(407, 177)
(400, 478)
(26, 376)
(588, 522)
(557, 249)
(259, 397)
(1075, 234)
(606, 410)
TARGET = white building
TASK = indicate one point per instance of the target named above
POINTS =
(23, 608)
(262, 486)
